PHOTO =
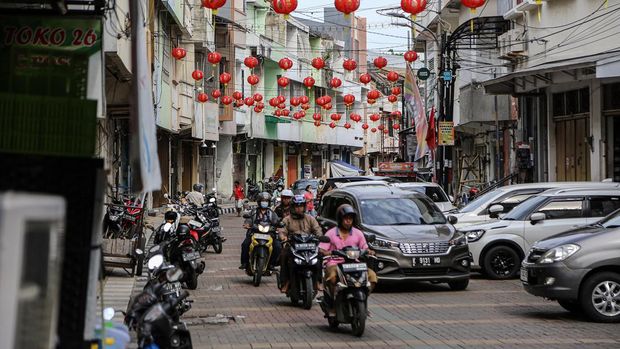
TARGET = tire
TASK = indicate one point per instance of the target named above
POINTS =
(358, 322)
(595, 289)
(258, 271)
(501, 263)
(217, 246)
(572, 306)
(192, 282)
(333, 322)
(309, 295)
(459, 285)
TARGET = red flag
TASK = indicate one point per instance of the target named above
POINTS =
(431, 139)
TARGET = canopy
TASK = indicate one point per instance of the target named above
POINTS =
(340, 168)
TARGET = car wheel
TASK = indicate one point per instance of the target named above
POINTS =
(572, 306)
(600, 297)
(501, 262)
(458, 285)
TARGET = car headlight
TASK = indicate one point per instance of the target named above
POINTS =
(558, 254)
(459, 239)
(381, 243)
(474, 235)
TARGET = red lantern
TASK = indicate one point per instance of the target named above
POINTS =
(328, 99)
(386, 131)
(253, 79)
(411, 56)
(328, 106)
(373, 94)
(396, 126)
(365, 126)
(302, 113)
(250, 62)
(285, 112)
(258, 109)
(284, 7)
(305, 106)
(226, 100)
(347, 6)
(472, 4)
(335, 82)
(380, 62)
(216, 94)
(355, 117)
(336, 117)
(295, 101)
(392, 98)
(273, 102)
(349, 99)
(309, 82)
(392, 76)
(373, 130)
(203, 97)
(214, 5)
(178, 53)
(413, 7)
(396, 114)
(320, 101)
(395, 90)
(285, 64)
(380, 127)
(349, 64)
(282, 106)
(237, 95)
(371, 101)
(197, 75)
(347, 125)
(278, 112)
(297, 116)
(318, 63)
(283, 81)
(260, 105)
(317, 123)
(317, 116)
(281, 99)
(258, 97)
(332, 124)
(365, 78)
(214, 58)
(239, 103)
(304, 99)
(225, 78)
(375, 117)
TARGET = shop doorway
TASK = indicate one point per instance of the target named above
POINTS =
(572, 149)
(612, 150)
(292, 174)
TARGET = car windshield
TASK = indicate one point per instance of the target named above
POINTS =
(521, 211)
(434, 193)
(481, 201)
(400, 211)
(611, 221)
(301, 185)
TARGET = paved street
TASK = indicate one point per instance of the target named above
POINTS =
(231, 313)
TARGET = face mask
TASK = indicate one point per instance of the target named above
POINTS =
(264, 204)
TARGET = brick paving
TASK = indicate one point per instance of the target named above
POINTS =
(229, 312)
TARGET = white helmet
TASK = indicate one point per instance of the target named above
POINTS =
(287, 192)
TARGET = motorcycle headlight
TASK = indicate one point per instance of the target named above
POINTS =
(212, 200)
(459, 239)
(558, 254)
(474, 235)
(298, 261)
(263, 228)
(381, 243)
(353, 254)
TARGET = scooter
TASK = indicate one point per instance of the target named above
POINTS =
(305, 273)
(261, 248)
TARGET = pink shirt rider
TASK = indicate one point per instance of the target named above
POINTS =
(356, 238)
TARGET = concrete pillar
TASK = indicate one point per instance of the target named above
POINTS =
(597, 160)
(550, 130)
(224, 166)
(269, 155)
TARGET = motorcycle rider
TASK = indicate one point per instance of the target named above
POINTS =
(160, 235)
(284, 208)
(262, 214)
(195, 196)
(297, 222)
(341, 236)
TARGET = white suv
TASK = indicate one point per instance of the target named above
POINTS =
(432, 190)
(498, 247)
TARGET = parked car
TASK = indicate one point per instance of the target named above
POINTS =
(330, 183)
(499, 247)
(431, 190)
(506, 198)
(300, 186)
(414, 240)
(580, 269)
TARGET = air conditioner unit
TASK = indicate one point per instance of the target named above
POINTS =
(512, 44)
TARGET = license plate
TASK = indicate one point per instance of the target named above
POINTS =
(129, 218)
(190, 256)
(351, 267)
(305, 247)
(262, 236)
(426, 261)
(524, 275)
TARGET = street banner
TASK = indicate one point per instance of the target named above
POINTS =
(446, 133)
(415, 107)
(431, 137)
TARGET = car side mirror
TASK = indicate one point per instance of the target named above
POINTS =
(495, 210)
(537, 217)
(371, 238)
(452, 220)
(324, 238)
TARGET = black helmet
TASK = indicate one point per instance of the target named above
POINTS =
(170, 216)
(298, 200)
(183, 230)
(345, 210)
(198, 187)
(263, 197)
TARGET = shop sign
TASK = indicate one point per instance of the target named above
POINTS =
(446, 133)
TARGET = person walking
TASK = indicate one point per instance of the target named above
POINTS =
(309, 196)
(239, 196)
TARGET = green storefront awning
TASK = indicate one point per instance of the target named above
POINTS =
(270, 119)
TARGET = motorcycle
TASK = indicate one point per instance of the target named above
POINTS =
(154, 320)
(351, 293)
(112, 221)
(207, 231)
(305, 251)
(183, 252)
(261, 247)
(253, 189)
(157, 269)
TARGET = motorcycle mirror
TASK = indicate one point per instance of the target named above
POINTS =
(155, 262)
(167, 227)
(324, 238)
(166, 196)
(173, 275)
(108, 314)
(139, 252)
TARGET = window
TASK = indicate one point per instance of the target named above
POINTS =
(563, 209)
(401, 211)
(331, 204)
(514, 201)
(602, 206)
(571, 102)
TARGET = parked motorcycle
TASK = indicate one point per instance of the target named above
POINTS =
(157, 269)
(206, 229)
(261, 247)
(351, 293)
(253, 190)
(112, 221)
(305, 273)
